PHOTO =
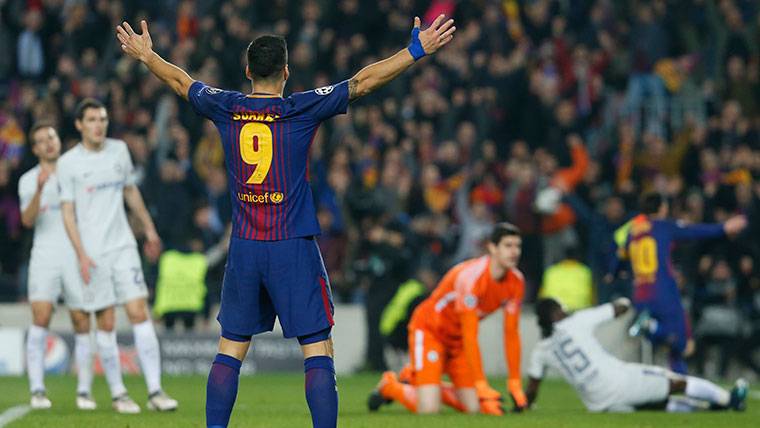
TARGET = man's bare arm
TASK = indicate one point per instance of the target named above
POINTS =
(532, 392)
(32, 210)
(70, 224)
(621, 306)
(378, 74)
(140, 47)
(136, 204)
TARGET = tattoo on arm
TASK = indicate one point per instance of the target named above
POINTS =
(353, 94)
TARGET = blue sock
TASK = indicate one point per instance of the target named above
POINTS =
(221, 390)
(677, 363)
(321, 391)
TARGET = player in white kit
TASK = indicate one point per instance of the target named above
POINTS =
(96, 178)
(52, 270)
(607, 384)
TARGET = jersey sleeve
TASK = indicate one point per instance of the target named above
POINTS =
(26, 190)
(65, 182)
(129, 167)
(210, 102)
(537, 367)
(592, 317)
(696, 231)
(512, 345)
(325, 102)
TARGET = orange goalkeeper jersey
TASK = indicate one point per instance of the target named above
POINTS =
(465, 295)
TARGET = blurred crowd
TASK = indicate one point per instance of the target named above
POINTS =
(553, 115)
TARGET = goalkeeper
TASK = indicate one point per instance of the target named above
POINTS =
(443, 335)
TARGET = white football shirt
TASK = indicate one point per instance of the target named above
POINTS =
(573, 350)
(50, 238)
(94, 181)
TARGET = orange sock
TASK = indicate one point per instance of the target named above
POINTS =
(403, 393)
(449, 397)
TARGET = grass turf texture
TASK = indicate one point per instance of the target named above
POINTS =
(278, 401)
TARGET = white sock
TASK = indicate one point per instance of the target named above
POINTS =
(149, 353)
(83, 357)
(705, 390)
(684, 405)
(35, 357)
(108, 349)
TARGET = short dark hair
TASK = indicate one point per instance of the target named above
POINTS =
(500, 230)
(267, 55)
(545, 309)
(85, 105)
(37, 126)
(650, 203)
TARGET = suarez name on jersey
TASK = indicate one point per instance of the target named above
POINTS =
(266, 142)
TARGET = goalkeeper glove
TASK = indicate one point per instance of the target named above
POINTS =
(514, 386)
(485, 392)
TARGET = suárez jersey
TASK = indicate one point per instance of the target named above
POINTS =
(266, 144)
(50, 239)
(94, 181)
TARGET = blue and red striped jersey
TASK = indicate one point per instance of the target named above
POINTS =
(648, 246)
(266, 144)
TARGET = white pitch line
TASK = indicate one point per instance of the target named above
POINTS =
(15, 412)
(755, 395)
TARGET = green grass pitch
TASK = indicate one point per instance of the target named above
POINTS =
(278, 401)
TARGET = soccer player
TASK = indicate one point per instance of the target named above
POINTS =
(656, 296)
(274, 267)
(96, 178)
(443, 333)
(607, 384)
(52, 267)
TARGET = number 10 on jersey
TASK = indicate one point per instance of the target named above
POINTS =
(256, 148)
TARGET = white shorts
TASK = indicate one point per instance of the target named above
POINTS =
(116, 279)
(644, 385)
(49, 277)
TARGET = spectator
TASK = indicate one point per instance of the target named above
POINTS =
(569, 282)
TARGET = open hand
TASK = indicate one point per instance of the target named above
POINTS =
(735, 224)
(85, 265)
(42, 178)
(138, 46)
(152, 247)
(437, 35)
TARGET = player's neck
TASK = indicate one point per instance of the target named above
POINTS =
(92, 146)
(497, 272)
(48, 165)
(267, 90)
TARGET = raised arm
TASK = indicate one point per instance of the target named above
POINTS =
(621, 306)
(136, 204)
(140, 47)
(731, 227)
(30, 212)
(423, 43)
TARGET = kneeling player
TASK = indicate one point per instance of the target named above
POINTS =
(607, 384)
(443, 334)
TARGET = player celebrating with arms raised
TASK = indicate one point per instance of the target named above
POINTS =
(443, 333)
(52, 266)
(656, 297)
(274, 267)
